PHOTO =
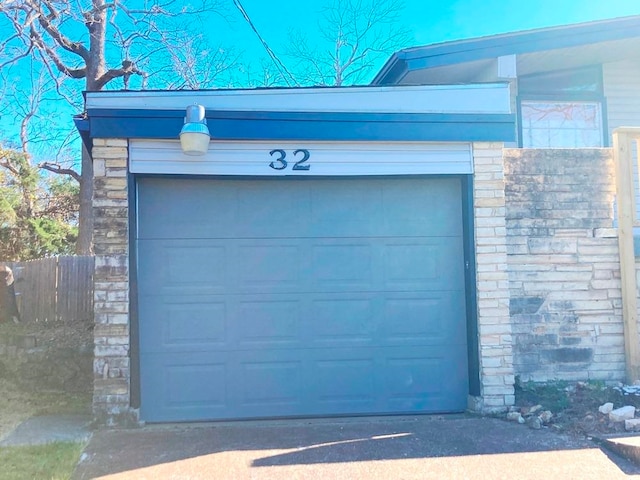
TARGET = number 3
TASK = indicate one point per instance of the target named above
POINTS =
(282, 162)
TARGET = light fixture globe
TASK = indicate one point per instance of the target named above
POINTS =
(194, 136)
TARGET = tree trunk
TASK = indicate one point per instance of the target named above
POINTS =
(84, 245)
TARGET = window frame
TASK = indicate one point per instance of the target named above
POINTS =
(596, 96)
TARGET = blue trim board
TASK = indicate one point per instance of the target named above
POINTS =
(311, 126)
(451, 53)
(473, 348)
(134, 328)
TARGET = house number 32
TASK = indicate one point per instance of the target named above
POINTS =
(279, 163)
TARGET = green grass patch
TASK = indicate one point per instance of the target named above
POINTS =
(54, 461)
(51, 403)
(551, 395)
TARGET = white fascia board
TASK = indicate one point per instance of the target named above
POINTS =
(473, 98)
(323, 158)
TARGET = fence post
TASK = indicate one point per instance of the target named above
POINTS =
(622, 138)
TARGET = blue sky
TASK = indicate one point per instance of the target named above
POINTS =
(428, 21)
(432, 21)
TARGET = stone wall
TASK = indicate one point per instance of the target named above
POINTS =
(47, 357)
(494, 327)
(564, 273)
(112, 393)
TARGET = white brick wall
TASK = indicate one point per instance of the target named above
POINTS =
(494, 327)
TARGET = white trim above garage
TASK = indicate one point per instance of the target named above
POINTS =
(490, 98)
(288, 158)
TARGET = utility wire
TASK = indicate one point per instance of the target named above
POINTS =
(279, 65)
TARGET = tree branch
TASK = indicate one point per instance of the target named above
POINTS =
(53, 56)
(64, 42)
(128, 69)
(56, 168)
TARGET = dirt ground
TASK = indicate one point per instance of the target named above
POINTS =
(575, 405)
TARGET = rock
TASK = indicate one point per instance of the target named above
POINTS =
(514, 416)
(533, 410)
(631, 389)
(632, 425)
(534, 422)
(546, 416)
(623, 413)
(606, 408)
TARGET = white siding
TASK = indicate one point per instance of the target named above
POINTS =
(326, 159)
(622, 91)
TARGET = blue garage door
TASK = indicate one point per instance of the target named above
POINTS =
(300, 297)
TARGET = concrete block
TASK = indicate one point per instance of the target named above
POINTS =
(623, 413)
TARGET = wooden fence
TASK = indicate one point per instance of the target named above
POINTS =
(625, 141)
(57, 288)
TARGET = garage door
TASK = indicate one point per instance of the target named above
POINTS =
(300, 297)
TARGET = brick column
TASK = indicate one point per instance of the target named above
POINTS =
(494, 324)
(111, 397)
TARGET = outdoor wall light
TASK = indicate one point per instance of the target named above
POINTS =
(194, 136)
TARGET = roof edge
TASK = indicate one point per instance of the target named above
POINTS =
(524, 41)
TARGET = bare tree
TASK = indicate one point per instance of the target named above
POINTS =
(100, 43)
(356, 34)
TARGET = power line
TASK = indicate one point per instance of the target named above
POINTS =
(279, 65)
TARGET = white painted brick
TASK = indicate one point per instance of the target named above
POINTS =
(116, 142)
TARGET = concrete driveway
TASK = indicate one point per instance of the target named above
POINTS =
(426, 447)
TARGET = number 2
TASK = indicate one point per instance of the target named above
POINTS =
(299, 164)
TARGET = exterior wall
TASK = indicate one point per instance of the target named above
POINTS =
(548, 284)
(111, 397)
(622, 91)
(564, 273)
(494, 327)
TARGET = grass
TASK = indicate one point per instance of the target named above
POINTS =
(551, 395)
(54, 461)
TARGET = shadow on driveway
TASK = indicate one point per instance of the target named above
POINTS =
(373, 448)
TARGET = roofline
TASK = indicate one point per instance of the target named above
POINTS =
(526, 41)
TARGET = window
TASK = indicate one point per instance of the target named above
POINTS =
(560, 124)
(561, 109)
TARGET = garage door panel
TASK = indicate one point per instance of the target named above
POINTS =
(268, 323)
(346, 320)
(294, 298)
(183, 385)
(267, 384)
(175, 266)
(423, 263)
(237, 208)
(183, 267)
(421, 318)
(267, 265)
(405, 215)
(426, 380)
(319, 320)
(342, 210)
(176, 324)
(343, 263)
(344, 381)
